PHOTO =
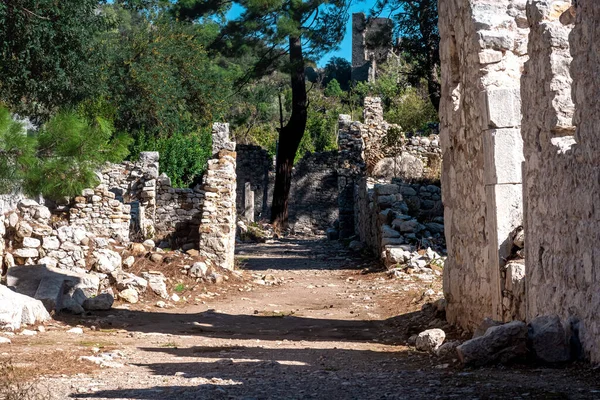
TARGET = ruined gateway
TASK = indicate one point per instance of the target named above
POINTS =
(519, 132)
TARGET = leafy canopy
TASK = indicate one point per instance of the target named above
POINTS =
(61, 159)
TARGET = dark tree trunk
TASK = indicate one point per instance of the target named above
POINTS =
(290, 136)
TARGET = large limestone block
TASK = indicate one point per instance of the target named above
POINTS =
(503, 107)
(503, 151)
(26, 279)
(17, 310)
(502, 344)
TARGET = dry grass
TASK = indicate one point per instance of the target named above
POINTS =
(16, 384)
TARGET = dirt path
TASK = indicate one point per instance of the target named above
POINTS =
(324, 330)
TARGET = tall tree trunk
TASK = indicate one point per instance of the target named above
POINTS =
(290, 136)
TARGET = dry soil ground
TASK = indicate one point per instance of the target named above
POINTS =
(329, 328)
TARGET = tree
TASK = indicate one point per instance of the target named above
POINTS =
(302, 30)
(61, 159)
(417, 26)
(339, 69)
(45, 48)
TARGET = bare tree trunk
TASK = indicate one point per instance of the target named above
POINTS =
(290, 136)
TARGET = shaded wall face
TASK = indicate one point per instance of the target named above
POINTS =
(483, 48)
(562, 166)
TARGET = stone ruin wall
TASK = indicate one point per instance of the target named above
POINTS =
(483, 49)
(562, 166)
(371, 45)
(254, 168)
(486, 75)
(383, 192)
(129, 192)
(313, 194)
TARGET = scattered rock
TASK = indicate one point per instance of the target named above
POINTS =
(76, 331)
(103, 301)
(137, 249)
(129, 295)
(128, 262)
(106, 261)
(161, 304)
(149, 244)
(17, 310)
(156, 282)
(28, 332)
(4, 340)
(549, 340)
(486, 324)
(430, 340)
(500, 344)
(356, 245)
(175, 297)
(157, 258)
(447, 349)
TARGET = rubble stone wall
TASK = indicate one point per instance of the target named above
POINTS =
(562, 166)
(218, 211)
(483, 48)
(254, 166)
(314, 191)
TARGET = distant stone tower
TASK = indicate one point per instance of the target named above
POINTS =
(371, 45)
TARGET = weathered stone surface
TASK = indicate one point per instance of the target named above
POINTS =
(129, 295)
(17, 310)
(430, 340)
(103, 301)
(500, 344)
(482, 55)
(548, 338)
(156, 282)
(106, 261)
(486, 324)
(198, 270)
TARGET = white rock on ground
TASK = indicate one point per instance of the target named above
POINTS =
(430, 340)
(106, 261)
(129, 295)
(17, 310)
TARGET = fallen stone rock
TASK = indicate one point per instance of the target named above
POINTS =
(486, 324)
(106, 261)
(4, 340)
(149, 244)
(128, 262)
(447, 349)
(137, 249)
(157, 258)
(500, 344)
(430, 340)
(156, 282)
(76, 331)
(198, 270)
(129, 295)
(548, 339)
(17, 310)
(103, 301)
(356, 245)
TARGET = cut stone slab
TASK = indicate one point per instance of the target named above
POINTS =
(17, 310)
(101, 302)
(48, 284)
(500, 344)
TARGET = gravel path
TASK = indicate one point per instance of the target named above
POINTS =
(324, 330)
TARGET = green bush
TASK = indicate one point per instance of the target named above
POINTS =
(61, 159)
(183, 157)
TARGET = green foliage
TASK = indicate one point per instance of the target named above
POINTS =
(412, 110)
(61, 159)
(404, 104)
(17, 152)
(183, 157)
(339, 69)
(45, 53)
(333, 89)
(416, 23)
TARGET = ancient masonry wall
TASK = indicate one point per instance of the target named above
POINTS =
(254, 167)
(371, 45)
(562, 166)
(386, 216)
(313, 195)
(218, 212)
(483, 48)
(131, 198)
